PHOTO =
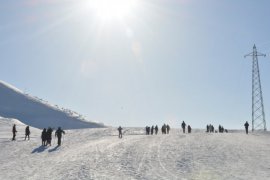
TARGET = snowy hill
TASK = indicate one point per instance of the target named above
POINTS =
(99, 154)
(36, 112)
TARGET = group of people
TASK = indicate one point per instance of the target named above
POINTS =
(151, 130)
(46, 135)
(165, 129)
(14, 132)
(210, 128)
(221, 129)
(183, 125)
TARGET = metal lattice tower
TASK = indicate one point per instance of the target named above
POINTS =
(258, 116)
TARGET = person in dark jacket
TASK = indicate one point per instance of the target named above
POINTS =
(156, 129)
(246, 127)
(120, 132)
(59, 133)
(168, 128)
(184, 126)
(152, 130)
(163, 129)
(27, 133)
(146, 130)
(44, 137)
(189, 129)
(49, 136)
(14, 131)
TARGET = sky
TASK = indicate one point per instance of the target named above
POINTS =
(139, 62)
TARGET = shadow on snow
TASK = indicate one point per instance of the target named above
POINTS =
(39, 149)
(54, 149)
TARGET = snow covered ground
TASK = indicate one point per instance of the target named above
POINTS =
(99, 154)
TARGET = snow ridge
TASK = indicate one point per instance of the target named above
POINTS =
(37, 112)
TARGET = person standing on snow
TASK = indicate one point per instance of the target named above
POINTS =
(146, 130)
(44, 137)
(27, 133)
(246, 127)
(189, 129)
(156, 129)
(49, 136)
(120, 131)
(14, 131)
(168, 128)
(184, 126)
(59, 133)
(152, 130)
(163, 129)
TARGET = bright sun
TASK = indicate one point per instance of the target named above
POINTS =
(113, 9)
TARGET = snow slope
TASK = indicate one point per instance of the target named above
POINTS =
(99, 154)
(36, 112)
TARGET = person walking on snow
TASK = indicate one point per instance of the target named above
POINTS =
(44, 137)
(59, 133)
(184, 126)
(120, 131)
(14, 131)
(27, 133)
(246, 127)
(49, 136)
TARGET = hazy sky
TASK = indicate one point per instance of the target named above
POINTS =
(138, 62)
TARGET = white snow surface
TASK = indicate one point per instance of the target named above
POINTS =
(100, 154)
(38, 113)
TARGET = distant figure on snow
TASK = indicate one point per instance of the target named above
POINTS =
(163, 129)
(44, 137)
(27, 133)
(49, 136)
(156, 129)
(189, 129)
(168, 128)
(246, 127)
(212, 129)
(59, 133)
(146, 130)
(184, 126)
(220, 129)
(120, 132)
(152, 130)
(14, 131)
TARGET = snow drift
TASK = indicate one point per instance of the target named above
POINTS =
(38, 113)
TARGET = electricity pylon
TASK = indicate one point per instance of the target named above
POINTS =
(258, 116)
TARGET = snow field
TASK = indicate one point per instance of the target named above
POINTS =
(99, 154)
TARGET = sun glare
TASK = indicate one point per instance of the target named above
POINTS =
(113, 9)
